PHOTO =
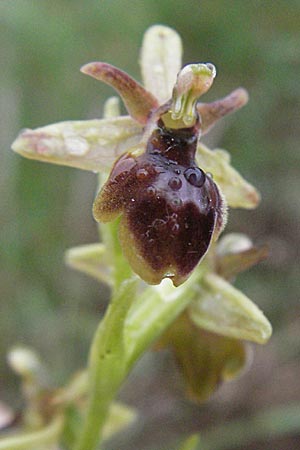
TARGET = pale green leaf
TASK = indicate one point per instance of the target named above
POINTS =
(160, 60)
(223, 309)
(90, 145)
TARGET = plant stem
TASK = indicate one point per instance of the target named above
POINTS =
(106, 365)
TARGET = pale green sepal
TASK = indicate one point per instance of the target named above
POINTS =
(223, 309)
(237, 191)
(89, 145)
(160, 60)
(90, 259)
(120, 417)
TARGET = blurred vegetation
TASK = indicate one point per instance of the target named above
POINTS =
(47, 209)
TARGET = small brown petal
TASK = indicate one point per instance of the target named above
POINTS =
(212, 112)
(138, 101)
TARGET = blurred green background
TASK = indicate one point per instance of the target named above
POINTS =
(47, 209)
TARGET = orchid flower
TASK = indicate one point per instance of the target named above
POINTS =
(170, 190)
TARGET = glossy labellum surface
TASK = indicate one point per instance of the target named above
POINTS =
(170, 207)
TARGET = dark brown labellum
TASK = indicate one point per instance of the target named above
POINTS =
(170, 207)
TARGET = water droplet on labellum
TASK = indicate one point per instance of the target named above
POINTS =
(195, 176)
(175, 183)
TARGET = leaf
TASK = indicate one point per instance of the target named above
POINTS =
(223, 309)
(89, 145)
(160, 60)
(238, 192)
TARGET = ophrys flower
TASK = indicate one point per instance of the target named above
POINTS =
(165, 184)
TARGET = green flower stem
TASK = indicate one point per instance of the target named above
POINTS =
(107, 368)
(44, 438)
(106, 365)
